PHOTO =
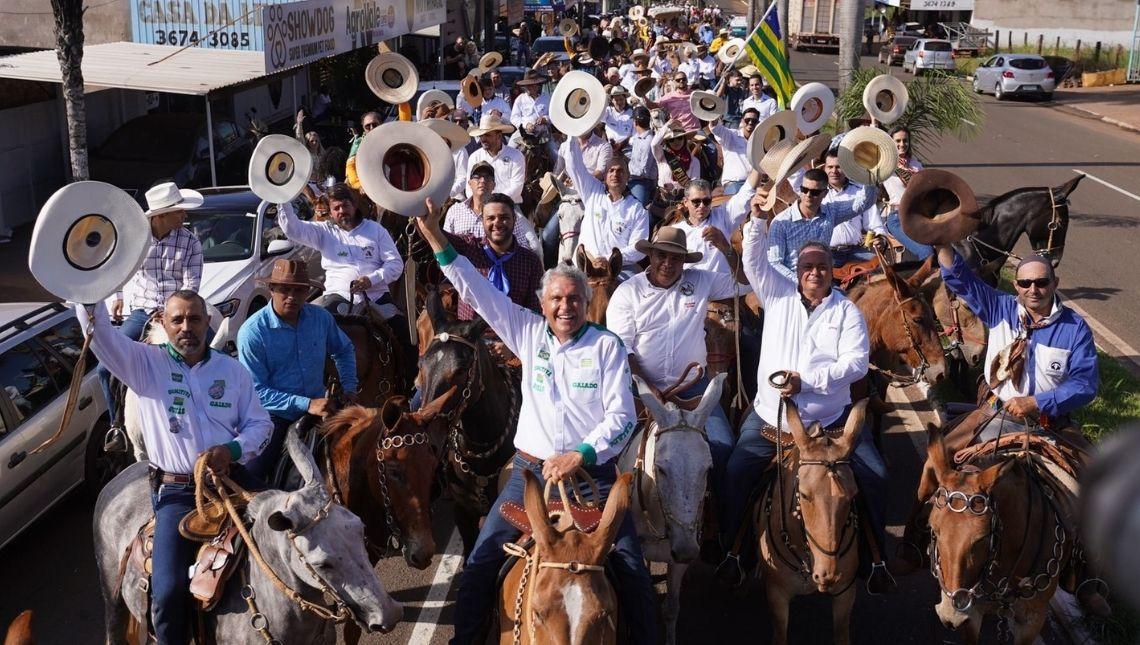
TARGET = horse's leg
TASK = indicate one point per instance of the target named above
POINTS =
(841, 606)
(779, 602)
(467, 523)
(675, 573)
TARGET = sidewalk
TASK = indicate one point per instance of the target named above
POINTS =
(1118, 105)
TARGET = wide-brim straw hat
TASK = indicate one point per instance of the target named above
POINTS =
(670, 240)
(730, 50)
(490, 122)
(577, 104)
(781, 126)
(643, 86)
(490, 61)
(455, 136)
(800, 154)
(938, 207)
(531, 77)
(707, 106)
(289, 273)
(568, 27)
(812, 104)
(678, 131)
(885, 98)
(430, 98)
(426, 153)
(471, 90)
(868, 155)
(279, 168)
(167, 197)
(392, 77)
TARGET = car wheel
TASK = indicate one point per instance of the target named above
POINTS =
(1048, 96)
(977, 86)
(999, 94)
(99, 466)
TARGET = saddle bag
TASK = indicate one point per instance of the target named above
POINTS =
(217, 561)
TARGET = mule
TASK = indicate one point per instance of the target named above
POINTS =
(570, 215)
(298, 534)
(566, 598)
(480, 425)
(671, 463)
(807, 523)
(20, 630)
(602, 276)
(539, 161)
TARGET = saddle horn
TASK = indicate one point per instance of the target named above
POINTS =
(938, 207)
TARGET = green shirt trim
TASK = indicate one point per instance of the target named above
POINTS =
(235, 450)
(446, 256)
(589, 456)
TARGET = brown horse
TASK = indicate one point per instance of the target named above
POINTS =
(559, 592)
(808, 531)
(20, 630)
(539, 161)
(602, 276)
(381, 464)
(380, 365)
(999, 543)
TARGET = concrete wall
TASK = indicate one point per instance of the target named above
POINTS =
(29, 23)
(1107, 21)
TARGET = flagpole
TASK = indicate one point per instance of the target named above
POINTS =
(729, 68)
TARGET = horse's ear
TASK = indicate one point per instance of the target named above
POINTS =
(709, 400)
(394, 407)
(795, 423)
(936, 453)
(582, 258)
(302, 457)
(615, 263)
(475, 329)
(536, 511)
(925, 271)
(655, 406)
(616, 506)
(434, 306)
(854, 426)
(900, 286)
(431, 410)
(930, 287)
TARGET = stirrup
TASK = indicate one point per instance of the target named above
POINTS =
(741, 575)
(875, 568)
(115, 440)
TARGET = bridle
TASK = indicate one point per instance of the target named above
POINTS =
(385, 444)
(918, 373)
(1054, 226)
(532, 563)
(694, 527)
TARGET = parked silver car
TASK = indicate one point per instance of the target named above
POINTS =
(1006, 75)
(929, 53)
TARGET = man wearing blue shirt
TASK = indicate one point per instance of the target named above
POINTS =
(284, 347)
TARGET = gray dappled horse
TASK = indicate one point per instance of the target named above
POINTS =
(297, 539)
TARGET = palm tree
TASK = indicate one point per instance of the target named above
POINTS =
(849, 22)
(69, 50)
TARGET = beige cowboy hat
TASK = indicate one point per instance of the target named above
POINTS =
(781, 126)
(707, 106)
(577, 104)
(795, 158)
(730, 50)
(427, 151)
(471, 90)
(489, 123)
(636, 12)
(431, 98)
(938, 207)
(568, 27)
(643, 22)
(88, 240)
(616, 90)
(639, 54)
(677, 131)
(455, 136)
(392, 77)
(769, 162)
(531, 77)
(489, 61)
(812, 104)
(868, 155)
(885, 98)
(541, 61)
(550, 186)
(279, 168)
(670, 240)
(167, 196)
(643, 86)
(689, 49)
(748, 71)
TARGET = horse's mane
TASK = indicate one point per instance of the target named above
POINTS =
(349, 422)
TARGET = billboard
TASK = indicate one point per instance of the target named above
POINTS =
(538, 5)
(212, 24)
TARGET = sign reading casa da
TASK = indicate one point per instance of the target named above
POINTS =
(297, 33)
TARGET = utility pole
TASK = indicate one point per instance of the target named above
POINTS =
(850, 24)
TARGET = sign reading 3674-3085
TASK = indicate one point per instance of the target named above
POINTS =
(215, 24)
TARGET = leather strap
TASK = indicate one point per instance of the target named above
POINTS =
(73, 390)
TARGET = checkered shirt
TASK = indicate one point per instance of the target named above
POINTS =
(172, 263)
(524, 272)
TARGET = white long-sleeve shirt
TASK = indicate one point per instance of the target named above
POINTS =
(575, 395)
(526, 110)
(367, 250)
(828, 347)
(607, 224)
(665, 327)
(619, 125)
(510, 170)
(596, 155)
(727, 218)
(850, 232)
(460, 157)
(493, 103)
(765, 105)
(183, 410)
(734, 147)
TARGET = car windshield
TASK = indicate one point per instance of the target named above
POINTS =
(136, 142)
(225, 237)
(937, 46)
(1027, 63)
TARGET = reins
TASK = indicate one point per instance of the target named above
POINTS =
(901, 380)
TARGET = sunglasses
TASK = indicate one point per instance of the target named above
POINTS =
(701, 201)
(814, 192)
(750, 121)
(1040, 283)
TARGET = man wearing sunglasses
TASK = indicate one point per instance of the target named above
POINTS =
(811, 220)
(676, 103)
(369, 122)
(734, 149)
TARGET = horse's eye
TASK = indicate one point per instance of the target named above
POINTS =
(804, 496)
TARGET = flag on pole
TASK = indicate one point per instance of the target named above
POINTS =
(767, 52)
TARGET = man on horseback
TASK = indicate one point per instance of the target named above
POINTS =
(847, 237)
(192, 401)
(577, 411)
(822, 350)
(285, 346)
(660, 316)
(509, 163)
(708, 228)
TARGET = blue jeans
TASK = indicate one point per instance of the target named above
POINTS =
(172, 557)
(643, 189)
(732, 187)
(721, 440)
(752, 455)
(132, 327)
(551, 237)
(476, 593)
(851, 254)
(894, 226)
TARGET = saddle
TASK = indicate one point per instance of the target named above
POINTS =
(581, 518)
(852, 271)
(1066, 457)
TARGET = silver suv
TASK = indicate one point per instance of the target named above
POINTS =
(39, 345)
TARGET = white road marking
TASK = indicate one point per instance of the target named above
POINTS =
(1105, 183)
(433, 604)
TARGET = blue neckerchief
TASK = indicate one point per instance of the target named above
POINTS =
(498, 275)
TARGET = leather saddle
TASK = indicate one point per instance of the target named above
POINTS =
(852, 271)
(1069, 459)
(582, 518)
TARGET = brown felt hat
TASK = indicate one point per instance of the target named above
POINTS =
(669, 239)
(289, 273)
(938, 207)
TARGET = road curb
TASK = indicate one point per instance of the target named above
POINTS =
(1061, 107)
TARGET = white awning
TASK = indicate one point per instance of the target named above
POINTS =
(132, 66)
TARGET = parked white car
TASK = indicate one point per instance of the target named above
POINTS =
(39, 345)
(1006, 75)
(929, 53)
(240, 241)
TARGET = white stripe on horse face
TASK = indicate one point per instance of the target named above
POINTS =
(573, 601)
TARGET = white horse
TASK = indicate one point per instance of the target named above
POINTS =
(671, 462)
(570, 214)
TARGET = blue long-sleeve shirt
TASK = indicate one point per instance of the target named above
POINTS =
(1060, 361)
(288, 363)
(790, 230)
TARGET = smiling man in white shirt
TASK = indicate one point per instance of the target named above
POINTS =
(734, 150)
(509, 163)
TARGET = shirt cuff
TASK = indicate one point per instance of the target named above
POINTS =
(446, 256)
(589, 456)
(235, 450)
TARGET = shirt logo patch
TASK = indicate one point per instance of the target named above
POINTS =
(584, 385)
(586, 362)
(368, 252)
(217, 390)
(687, 288)
(342, 254)
(1055, 366)
(176, 377)
(175, 424)
(544, 354)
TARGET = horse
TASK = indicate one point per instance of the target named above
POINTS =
(559, 592)
(539, 161)
(20, 630)
(380, 364)
(999, 543)
(480, 424)
(297, 534)
(1040, 213)
(570, 215)
(808, 526)
(602, 277)
(671, 463)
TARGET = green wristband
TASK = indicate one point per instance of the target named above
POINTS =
(235, 450)
(446, 256)
(589, 456)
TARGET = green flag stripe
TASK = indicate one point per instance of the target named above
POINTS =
(773, 44)
(779, 81)
(776, 64)
(771, 76)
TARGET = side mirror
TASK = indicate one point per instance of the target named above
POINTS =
(277, 247)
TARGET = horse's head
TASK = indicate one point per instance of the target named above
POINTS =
(569, 604)
(321, 544)
(678, 460)
(452, 356)
(904, 321)
(602, 276)
(570, 215)
(964, 524)
(959, 324)
(826, 489)
(407, 461)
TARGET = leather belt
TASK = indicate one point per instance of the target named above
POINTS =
(529, 458)
(164, 477)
